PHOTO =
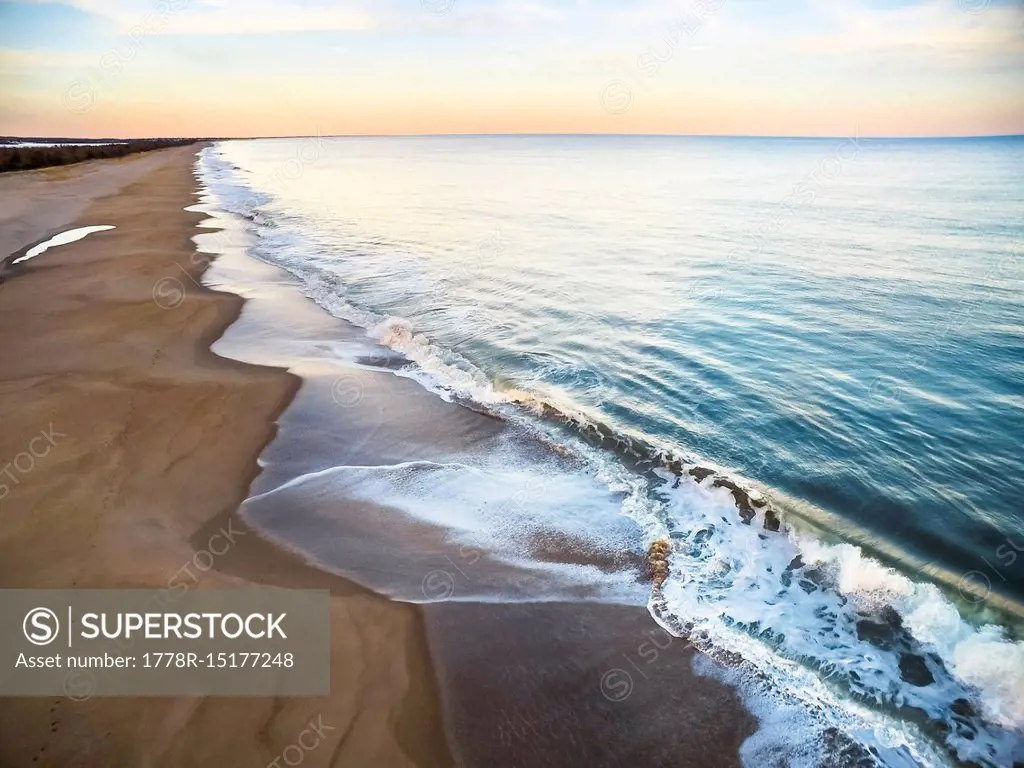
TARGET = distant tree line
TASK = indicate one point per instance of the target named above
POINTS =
(26, 158)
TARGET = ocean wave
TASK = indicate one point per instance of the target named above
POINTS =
(869, 633)
(870, 652)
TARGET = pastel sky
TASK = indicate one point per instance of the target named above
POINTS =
(307, 67)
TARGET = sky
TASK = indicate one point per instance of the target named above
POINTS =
(95, 68)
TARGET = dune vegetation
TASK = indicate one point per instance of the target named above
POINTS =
(23, 158)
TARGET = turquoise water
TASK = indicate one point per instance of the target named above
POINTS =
(836, 321)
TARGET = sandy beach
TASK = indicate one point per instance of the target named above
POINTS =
(153, 442)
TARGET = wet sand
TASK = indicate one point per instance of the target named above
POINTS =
(571, 684)
(157, 449)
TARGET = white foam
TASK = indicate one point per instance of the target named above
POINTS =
(730, 579)
(495, 502)
(496, 506)
(446, 372)
(793, 732)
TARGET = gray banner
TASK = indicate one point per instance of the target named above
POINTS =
(136, 642)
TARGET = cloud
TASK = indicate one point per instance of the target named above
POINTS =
(939, 25)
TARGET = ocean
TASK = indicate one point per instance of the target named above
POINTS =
(832, 325)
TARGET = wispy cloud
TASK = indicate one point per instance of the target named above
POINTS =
(939, 25)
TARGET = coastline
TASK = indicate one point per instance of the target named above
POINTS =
(155, 438)
(549, 659)
(108, 345)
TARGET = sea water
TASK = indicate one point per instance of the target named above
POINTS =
(835, 323)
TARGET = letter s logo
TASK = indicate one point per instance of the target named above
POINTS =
(41, 626)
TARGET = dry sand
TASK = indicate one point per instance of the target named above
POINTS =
(155, 441)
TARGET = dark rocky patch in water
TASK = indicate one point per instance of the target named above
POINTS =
(885, 630)
(747, 512)
(700, 474)
(913, 670)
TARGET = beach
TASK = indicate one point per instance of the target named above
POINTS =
(150, 447)
(155, 440)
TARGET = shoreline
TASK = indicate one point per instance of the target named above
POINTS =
(496, 625)
(124, 497)
(160, 440)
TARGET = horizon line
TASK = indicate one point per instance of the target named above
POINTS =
(855, 136)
